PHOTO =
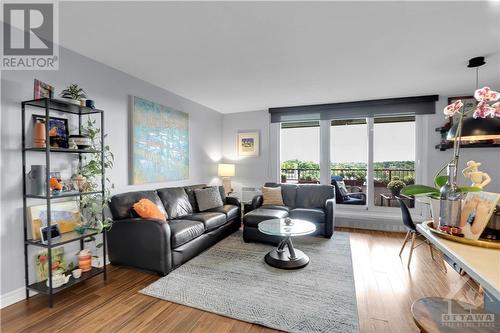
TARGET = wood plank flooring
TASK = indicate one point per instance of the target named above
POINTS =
(385, 289)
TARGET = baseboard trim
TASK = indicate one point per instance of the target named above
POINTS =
(368, 223)
(14, 296)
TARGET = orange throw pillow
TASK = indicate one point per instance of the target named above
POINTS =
(146, 209)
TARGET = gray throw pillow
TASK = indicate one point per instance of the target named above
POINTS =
(208, 198)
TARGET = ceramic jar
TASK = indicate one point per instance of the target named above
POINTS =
(39, 135)
(85, 261)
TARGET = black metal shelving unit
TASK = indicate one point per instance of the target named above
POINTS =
(61, 107)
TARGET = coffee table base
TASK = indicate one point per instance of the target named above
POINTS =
(285, 256)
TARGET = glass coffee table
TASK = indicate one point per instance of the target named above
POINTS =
(285, 256)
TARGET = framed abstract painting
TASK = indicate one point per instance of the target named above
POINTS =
(159, 142)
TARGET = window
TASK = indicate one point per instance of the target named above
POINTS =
(365, 156)
(300, 152)
(393, 157)
(348, 156)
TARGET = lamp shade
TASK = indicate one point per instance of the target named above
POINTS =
(226, 170)
(476, 129)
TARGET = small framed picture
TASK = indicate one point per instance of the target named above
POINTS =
(54, 231)
(248, 144)
(58, 130)
(42, 90)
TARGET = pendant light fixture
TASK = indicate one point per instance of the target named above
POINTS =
(479, 129)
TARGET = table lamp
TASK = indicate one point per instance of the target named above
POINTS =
(226, 171)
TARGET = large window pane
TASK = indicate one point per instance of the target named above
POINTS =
(394, 157)
(348, 154)
(300, 152)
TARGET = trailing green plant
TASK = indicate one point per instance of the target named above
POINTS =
(74, 92)
(93, 205)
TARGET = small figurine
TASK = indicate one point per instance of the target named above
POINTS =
(479, 178)
(72, 144)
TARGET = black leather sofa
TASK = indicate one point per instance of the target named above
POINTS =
(159, 246)
(314, 203)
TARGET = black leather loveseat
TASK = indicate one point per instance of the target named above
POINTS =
(160, 246)
(314, 203)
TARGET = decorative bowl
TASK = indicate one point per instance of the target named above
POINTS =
(82, 141)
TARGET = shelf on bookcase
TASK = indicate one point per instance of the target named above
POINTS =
(42, 288)
(65, 238)
(61, 106)
(63, 195)
(64, 150)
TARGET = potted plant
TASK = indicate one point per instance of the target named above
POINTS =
(395, 186)
(283, 178)
(74, 94)
(92, 205)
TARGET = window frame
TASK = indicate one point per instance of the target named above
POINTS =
(325, 160)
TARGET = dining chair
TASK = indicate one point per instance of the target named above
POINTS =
(412, 233)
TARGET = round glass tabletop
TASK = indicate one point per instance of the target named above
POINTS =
(278, 227)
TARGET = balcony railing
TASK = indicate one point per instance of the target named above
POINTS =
(352, 176)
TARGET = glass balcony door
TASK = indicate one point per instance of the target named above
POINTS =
(348, 156)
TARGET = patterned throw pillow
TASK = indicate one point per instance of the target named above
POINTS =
(208, 198)
(272, 196)
(146, 209)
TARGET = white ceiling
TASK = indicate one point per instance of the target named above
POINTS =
(245, 56)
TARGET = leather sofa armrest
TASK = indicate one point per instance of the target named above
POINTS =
(330, 217)
(233, 201)
(142, 243)
(257, 201)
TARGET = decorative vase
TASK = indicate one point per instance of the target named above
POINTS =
(39, 135)
(37, 180)
(81, 141)
(451, 200)
(90, 103)
(85, 262)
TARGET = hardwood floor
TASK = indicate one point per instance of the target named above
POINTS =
(385, 289)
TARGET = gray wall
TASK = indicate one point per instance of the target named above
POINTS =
(110, 89)
(250, 171)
